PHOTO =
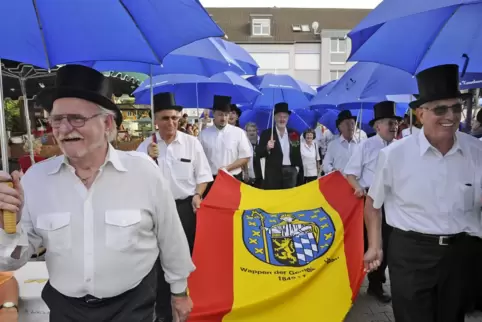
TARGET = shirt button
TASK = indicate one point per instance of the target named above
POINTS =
(88, 280)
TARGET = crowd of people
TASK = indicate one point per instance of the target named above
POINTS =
(116, 223)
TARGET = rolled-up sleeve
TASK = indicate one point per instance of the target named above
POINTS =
(202, 170)
(173, 246)
(382, 181)
(354, 166)
(25, 238)
(245, 149)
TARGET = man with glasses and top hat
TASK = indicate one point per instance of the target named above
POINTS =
(359, 172)
(430, 187)
(226, 146)
(182, 161)
(281, 149)
(340, 149)
(105, 216)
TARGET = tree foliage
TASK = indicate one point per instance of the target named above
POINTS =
(12, 115)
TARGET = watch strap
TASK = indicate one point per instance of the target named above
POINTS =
(182, 294)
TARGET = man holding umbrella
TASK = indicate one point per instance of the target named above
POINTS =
(105, 216)
(360, 170)
(182, 161)
(430, 186)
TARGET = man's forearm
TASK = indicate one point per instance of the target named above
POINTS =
(200, 188)
(373, 222)
(9, 291)
(353, 182)
(237, 164)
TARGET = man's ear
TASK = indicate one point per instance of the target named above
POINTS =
(419, 112)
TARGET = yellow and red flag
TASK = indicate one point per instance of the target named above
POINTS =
(277, 255)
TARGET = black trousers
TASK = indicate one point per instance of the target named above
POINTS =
(136, 304)
(378, 277)
(289, 177)
(426, 277)
(210, 184)
(188, 220)
(309, 179)
(473, 282)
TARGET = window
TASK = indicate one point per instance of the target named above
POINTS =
(307, 61)
(336, 74)
(296, 28)
(305, 28)
(272, 61)
(338, 50)
(261, 27)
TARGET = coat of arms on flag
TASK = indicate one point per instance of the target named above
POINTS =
(288, 239)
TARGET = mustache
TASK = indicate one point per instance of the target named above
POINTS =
(70, 136)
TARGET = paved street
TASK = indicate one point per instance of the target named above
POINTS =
(366, 309)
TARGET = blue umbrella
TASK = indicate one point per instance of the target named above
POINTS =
(416, 35)
(276, 89)
(307, 89)
(203, 57)
(298, 121)
(241, 56)
(61, 32)
(193, 91)
(319, 88)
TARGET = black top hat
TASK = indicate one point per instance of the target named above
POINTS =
(281, 108)
(80, 82)
(344, 115)
(222, 103)
(236, 109)
(438, 83)
(384, 110)
(165, 101)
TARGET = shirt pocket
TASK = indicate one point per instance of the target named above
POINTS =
(56, 230)
(467, 194)
(122, 228)
(182, 170)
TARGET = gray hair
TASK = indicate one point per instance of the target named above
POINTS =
(250, 124)
(111, 134)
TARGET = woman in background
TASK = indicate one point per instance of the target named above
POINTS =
(310, 156)
(25, 161)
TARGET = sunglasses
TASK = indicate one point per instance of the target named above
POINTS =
(441, 110)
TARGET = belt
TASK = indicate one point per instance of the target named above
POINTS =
(181, 201)
(442, 240)
(287, 166)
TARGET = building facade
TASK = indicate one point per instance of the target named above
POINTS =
(308, 44)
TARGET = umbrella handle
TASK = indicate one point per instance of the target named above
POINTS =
(154, 140)
(9, 218)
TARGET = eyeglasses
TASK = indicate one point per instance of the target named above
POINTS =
(441, 110)
(168, 118)
(75, 120)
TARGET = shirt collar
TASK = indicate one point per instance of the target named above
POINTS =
(425, 145)
(385, 143)
(112, 158)
(342, 139)
(178, 139)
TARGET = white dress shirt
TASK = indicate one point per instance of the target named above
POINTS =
(251, 173)
(284, 141)
(323, 137)
(182, 162)
(104, 240)
(225, 146)
(338, 153)
(364, 159)
(310, 158)
(427, 192)
(406, 132)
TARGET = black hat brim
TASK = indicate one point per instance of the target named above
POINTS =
(46, 98)
(372, 122)
(338, 121)
(419, 102)
(287, 112)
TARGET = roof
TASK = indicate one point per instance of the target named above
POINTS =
(236, 22)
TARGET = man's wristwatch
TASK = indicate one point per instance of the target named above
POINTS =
(198, 194)
(8, 305)
(182, 294)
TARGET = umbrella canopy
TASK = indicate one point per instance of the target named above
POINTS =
(276, 89)
(300, 120)
(241, 56)
(416, 35)
(192, 91)
(60, 32)
(203, 57)
(319, 88)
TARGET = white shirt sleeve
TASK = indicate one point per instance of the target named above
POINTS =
(245, 149)
(355, 164)
(173, 246)
(382, 181)
(328, 160)
(202, 169)
(25, 238)
(143, 146)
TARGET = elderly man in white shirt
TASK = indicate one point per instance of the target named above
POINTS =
(360, 170)
(226, 146)
(430, 184)
(182, 161)
(104, 215)
(340, 149)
